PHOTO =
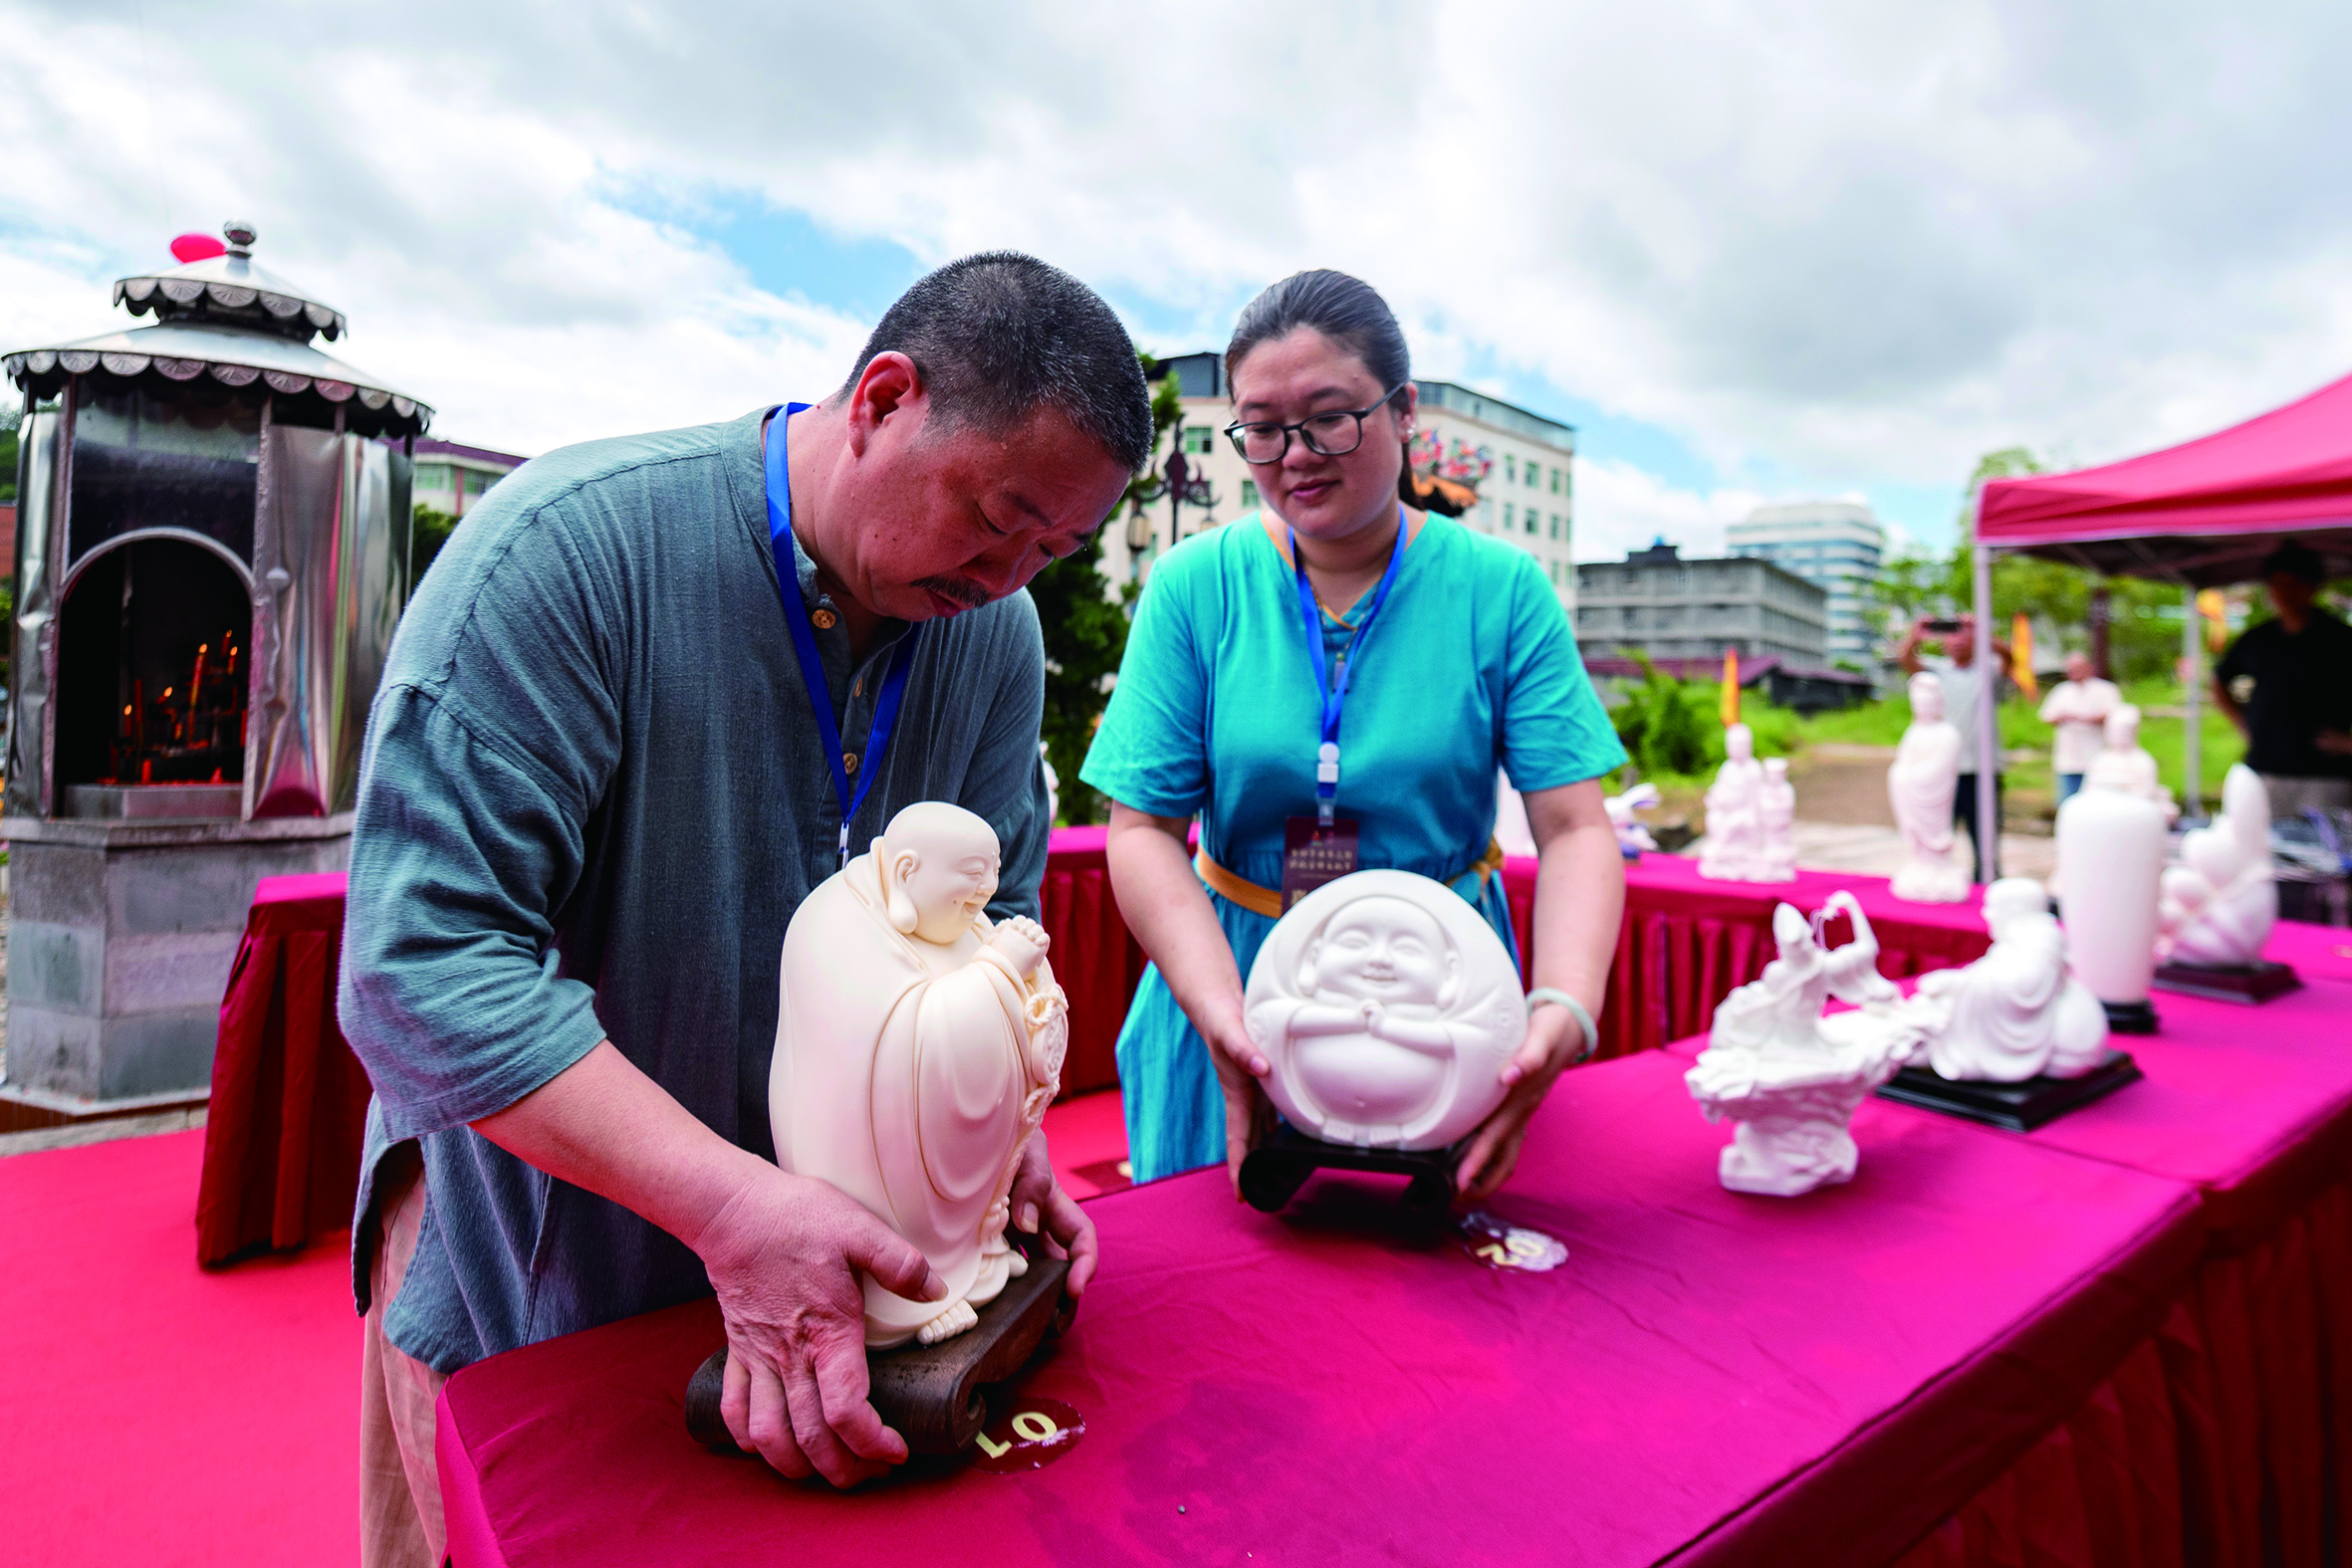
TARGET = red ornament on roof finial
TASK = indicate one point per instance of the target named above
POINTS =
(196, 247)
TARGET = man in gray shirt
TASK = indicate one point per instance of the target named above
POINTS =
(592, 795)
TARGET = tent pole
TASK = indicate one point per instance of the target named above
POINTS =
(1988, 710)
(2192, 678)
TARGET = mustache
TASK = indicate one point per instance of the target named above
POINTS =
(969, 595)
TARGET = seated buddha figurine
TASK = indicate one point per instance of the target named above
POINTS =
(2016, 1013)
(917, 1045)
(1386, 1020)
(1733, 848)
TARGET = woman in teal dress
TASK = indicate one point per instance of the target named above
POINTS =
(1463, 663)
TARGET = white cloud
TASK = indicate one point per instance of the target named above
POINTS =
(1855, 245)
(1622, 508)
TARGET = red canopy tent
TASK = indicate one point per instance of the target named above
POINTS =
(2199, 514)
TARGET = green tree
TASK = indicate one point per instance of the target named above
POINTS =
(1663, 729)
(427, 534)
(10, 419)
(1085, 629)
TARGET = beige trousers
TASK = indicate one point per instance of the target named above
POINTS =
(399, 1487)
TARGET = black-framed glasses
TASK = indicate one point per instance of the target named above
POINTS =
(1332, 434)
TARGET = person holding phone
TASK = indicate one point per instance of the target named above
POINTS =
(1328, 685)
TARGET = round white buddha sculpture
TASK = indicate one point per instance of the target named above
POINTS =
(1920, 783)
(1387, 1009)
(918, 1046)
(1788, 1078)
(1734, 849)
(2016, 1013)
(2219, 903)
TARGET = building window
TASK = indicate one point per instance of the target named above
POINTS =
(1534, 477)
(1533, 520)
(1249, 493)
(431, 476)
(478, 482)
(1509, 517)
(1197, 439)
(1555, 481)
(1555, 525)
(1510, 471)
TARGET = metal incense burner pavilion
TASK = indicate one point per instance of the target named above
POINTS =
(212, 552)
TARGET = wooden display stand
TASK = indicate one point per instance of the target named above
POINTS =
(1275, 1171)
(931, 1395)
(2248, 983)
(2020, 1107)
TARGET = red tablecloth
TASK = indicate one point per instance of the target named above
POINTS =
(1095, 959)
(282, 1137)
(1709, 1377)
(2226, 1438)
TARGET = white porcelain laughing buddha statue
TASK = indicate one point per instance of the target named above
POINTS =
(1387, 1008)
(918, 1046)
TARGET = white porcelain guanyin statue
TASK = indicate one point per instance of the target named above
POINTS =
(2016, 1013)
(1633, 836)
(1777, 807)
(1734, 849)
(1790, 1079)
(2219, 903)
(1919, 785)
(2123, 764)
(918, 1046)
(1387, 1008)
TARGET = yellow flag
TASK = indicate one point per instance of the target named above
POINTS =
(2022, 656)
(1730, 687)
(2216, 611)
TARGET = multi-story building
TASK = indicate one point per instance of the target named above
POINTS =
(1519, 463)
(451, 478)
(1834, 545)
(1668, 608)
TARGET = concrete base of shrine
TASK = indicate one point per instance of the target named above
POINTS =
(121, 936)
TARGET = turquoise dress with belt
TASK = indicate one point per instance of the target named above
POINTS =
(1469, 666)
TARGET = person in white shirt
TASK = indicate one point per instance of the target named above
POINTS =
(2078, 706)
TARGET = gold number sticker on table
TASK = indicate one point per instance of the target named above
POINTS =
(1500, 1244)
(1027, 1434)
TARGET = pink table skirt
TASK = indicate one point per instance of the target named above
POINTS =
(1710, 1378)
(282, 1136)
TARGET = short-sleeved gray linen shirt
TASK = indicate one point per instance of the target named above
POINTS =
(593, 794)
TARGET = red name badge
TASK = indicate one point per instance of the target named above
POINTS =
(1314, 854)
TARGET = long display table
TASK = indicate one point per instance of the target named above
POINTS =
(1709, 1378)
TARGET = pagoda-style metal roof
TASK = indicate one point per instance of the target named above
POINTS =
(237, 322)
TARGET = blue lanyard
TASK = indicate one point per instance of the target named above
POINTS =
(1335, 692)
(796, 616)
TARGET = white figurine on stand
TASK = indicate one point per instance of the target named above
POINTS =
(2016, 1013)
(1632, 837)
(1388, 1010)
(2219, 903)
(1790, 1078)
(1920, 783)
(1777, 806)
(2123, 764)
(1734, 849)
(2111, 843)
(918, 1046)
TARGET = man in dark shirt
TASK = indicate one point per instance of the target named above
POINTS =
(2298, 720)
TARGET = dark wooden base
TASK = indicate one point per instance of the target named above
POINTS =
(2020, 1107)
(2130, 1017)
(1275, 1171)
(930, 1394)
(2248, 983)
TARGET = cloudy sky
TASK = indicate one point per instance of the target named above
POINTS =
(1753, 253)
